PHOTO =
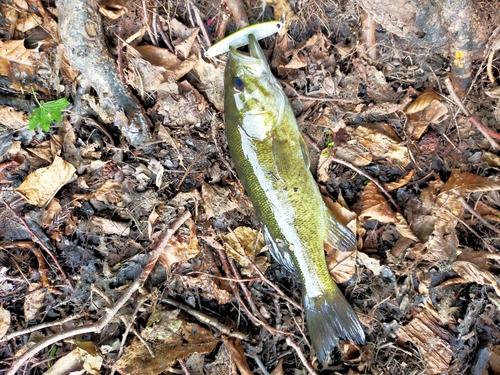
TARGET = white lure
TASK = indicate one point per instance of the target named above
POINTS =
(240, 38)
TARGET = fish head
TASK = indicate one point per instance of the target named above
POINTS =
(252, 94)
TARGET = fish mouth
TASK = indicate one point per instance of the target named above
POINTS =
(255, 52)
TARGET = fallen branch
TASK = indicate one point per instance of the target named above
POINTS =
(110, 313)
(301, 355)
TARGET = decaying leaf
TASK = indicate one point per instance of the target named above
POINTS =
(4, 321)
(108, 226)
(113, 9)
(423, 101)
(469, 183)
(41, 185)
(49, 212)
(13, 119)
(341, 264)
(33, 301)
(371, 263)
(404, 229)
(375, 206)
(238, 355)
(84, 358)
(473, 274)
(400, 182)
(244, 244)
(110, 191)
(382, 142)
(209, 288)
(431, 339)
(487, 212)
(170, 338)
(217, 200)
(182, 247)
(354, 153)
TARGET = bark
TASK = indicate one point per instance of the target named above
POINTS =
(80, 28)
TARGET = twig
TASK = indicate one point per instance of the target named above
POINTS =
(119, 48)
(476, 214)
(377, 184)
(204, 318)
(163, 36)
(39, 327)
(301, 355)
(473, 231)
(191, 166)
(200, 23)
(110, 313)
(36, 239)
(487, 132)
(303, 97)
(185, 371)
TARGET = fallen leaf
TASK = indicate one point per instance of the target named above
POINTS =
(487, 212)
(153, 216)
(400, 182)
(375, 206)
(466, 182)
(473, 274)
(404, 229)
(382, 142)
(341, 264)
(108, 226)
(371, 263)
(113, 9)
(49, 213)
(354, 153)
(12, 119)
(217, 200)
(243, 244)
(238, 355)
(77, 360)
(278, 370)
(33, 301)
(423, 101)
(282, 10)
(41, 185)
(4, 321)
(181, 247)
(109, 192)
(209, 288)
(170, 338)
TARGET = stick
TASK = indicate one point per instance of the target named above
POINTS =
(42, 245)
(301, 355)
(110, 313)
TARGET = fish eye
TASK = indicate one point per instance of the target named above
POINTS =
(238, 84)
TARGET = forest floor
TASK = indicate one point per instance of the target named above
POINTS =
(128, 245)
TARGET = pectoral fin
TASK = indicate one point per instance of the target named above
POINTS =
(305, 152)
(338, 235)
(280, 251)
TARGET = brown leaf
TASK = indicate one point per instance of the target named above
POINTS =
(400, 182)
(435, 113)
(209, 288)
(404, 229)
(354, 153)
(182, 247)
(153, 216)
(487, 212)
(382, 142)
(282, 8)
(33, 301)
(183, 49)
(12, 119)
(466, 182)
(79, 359)
(341, 264)
(107, 226)
(4, 321)
(49, 212)
(423, 101)
(110, 191)
(41, 185)
(217, 200)
(243, 243)
(113, 9)
(473, 274)
(278, 370)
(375, 206)
(238, 355)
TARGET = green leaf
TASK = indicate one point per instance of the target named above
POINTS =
(46, 113)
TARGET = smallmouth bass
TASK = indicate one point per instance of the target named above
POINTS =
(272, 162)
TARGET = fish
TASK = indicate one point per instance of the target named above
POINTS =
(272, 162)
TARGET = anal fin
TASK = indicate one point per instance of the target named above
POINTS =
(338, 235)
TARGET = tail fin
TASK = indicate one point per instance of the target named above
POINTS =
(329, 318)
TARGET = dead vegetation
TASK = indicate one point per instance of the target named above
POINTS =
(128, 246)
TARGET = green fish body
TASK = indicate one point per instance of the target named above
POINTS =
(272, 162)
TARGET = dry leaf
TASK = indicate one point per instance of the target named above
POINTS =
(404, 229)
(217, 200)
(181, 247)
(210, 81)
(282, 9)
(111, 227)
(243, 243)
(77, 360)
(4, 321)
(375, 206)
(382, 142)
(209, 288)
(466, 182)
(170, 338)
(400, 182)
(174, 67)
(371, 263)
(49, 213)
(435, 113)
(354, 153)
(487, 212)
(278, 369)
(12, 119)
(41, 185)
(183, 49)
(492, 159)
(238, 355)
(473, 274)
(113, 9)
(33, 301)
(109, 192)
(431, 339)
(423, 101)
(153, 216)
(341, 264)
